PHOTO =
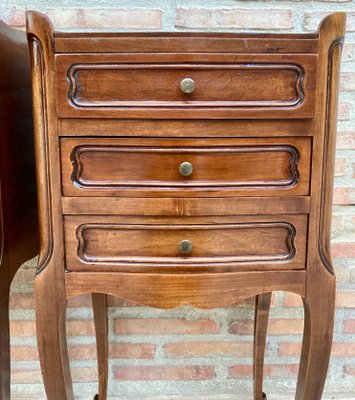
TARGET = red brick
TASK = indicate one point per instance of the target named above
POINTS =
(74, 328)
(22, 328)
(280, 326)
(82, 352)
(33, 376)
(345, 299)
(343, 250)
(117, 351)
(165, 326)
(344, 111)
(337, 224)
(342, 196)
(207, 349)
(347, 81)
(223, 18)
(80, 301)
(164, 373)
(24, 353)
(346, 140)
(278, 370)
(81, 328)
(340, 166)
(349, 326)
(289, 349)
(293, 300)
(22, 301)
(94, 18)
(313, 18)
(338, 349)
(132, 350)
(343, 349)
(15, 17)
(26, 376)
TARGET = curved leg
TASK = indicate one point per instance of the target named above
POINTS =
(4, 344)
(51, 339)
(262, 309)
(99, 302)
(319, 308)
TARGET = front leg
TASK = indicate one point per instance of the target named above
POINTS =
(99, 302)
(51, 339)
(319, 308)
(262, 309)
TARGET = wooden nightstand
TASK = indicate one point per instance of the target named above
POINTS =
(18, 208)
(185, 169)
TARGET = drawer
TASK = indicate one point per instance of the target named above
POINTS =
(246, 243)
(121, 89)
(173, 167)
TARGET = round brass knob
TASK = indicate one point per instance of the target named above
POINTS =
(187, 85)
(186, 168)
(185, 246)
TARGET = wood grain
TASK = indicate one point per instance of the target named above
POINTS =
(185, 42)
(134, 87)
(185, 206)
(175, 290)
(114, 167)
(250, 243)
(184, 128)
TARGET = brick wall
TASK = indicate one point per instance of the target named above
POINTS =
(186, 351)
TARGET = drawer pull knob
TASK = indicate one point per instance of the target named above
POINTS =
(186, 168)
(185, 246)
(187, 85)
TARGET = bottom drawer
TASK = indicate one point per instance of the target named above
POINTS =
(109, 243)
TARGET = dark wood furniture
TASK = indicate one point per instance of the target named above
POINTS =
(185, 169)
(18, 208)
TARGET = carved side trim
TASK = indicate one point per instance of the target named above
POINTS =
(327, 186)
(282, 184)
(75, 69)
(286, 256)
(42, 151)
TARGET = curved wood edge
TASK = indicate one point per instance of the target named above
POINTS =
(40, 38)
(331, 35)
(334, 22)
(99, 303)
(210, 290)
(262, 310)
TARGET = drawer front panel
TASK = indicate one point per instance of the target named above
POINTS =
(257, 243)
(102, 167)
(114, 88)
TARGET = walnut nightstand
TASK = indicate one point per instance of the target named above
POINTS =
(184, 168)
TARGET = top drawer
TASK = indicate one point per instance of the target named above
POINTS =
(151, 87)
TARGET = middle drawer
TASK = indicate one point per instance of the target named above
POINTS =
(189, 168)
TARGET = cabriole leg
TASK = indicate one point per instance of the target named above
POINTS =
(319, 309)
(262, 309)
(51, 339)
(99, 302)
